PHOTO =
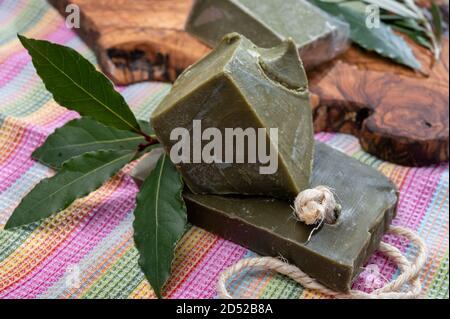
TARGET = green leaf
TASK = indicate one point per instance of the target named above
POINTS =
(410, 24)
(437, 20)
(381, 40)
(145, 166)
(77, 85)
(415, 36)
(333, 1)
(146, 127)
(81, 136)
(396, 7)
(160, 221)
(77, 178)
(390, 17)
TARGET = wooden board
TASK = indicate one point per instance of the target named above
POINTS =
(138, 40)
(398, 115)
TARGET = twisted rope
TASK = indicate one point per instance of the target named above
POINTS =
(395, 289)
(315, 205)
(409, 272)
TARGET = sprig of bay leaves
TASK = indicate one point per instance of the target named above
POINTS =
(395, 15)
(407, 17)
(88, 151)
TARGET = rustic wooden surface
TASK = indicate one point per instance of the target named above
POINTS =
(138, 40)
(399, 115)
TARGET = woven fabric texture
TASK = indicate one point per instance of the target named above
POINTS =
(87, 251)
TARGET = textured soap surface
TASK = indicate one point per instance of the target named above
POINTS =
(239, 85)
(318, 36)
(335, 253)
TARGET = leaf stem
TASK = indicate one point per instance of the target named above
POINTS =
(150, 141)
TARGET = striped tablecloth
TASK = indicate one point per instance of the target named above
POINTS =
(87, 251)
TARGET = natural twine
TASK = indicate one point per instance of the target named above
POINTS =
(316, 205)
(405, 286)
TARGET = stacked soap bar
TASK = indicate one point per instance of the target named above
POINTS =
(318, 36)
(241, 86)
(336, 253)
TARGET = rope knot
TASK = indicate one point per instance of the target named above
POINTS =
(316, 205)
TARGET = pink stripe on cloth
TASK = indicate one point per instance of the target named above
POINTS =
(201, 281)
(61, 35)
(10, 171)
(415, 197)
(323, 137)
(59, 121)
(19, 159)
(33, 137)
(12, 66)
(416, 194)
(96, 225)
(58, 33)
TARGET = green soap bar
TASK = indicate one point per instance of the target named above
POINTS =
(336, 252)
(319, 37)
(240, 86)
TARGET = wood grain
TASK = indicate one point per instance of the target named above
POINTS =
(139, 40)
(399, 115)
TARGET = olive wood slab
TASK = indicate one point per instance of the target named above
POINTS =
(398, 115)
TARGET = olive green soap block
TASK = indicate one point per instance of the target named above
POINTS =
(336, 253)
(318, 36)
(239, 86)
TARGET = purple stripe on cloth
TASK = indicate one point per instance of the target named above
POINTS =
(93, 228)
(201, 282)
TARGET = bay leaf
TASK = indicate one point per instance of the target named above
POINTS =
(417, 37)
(395, 7)
(147, 128)
(77, 85)
(410, 24)
(146, 165)
(436, 20)
(382, 40)
(160, 221)
(81, 136)
(77, 178)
